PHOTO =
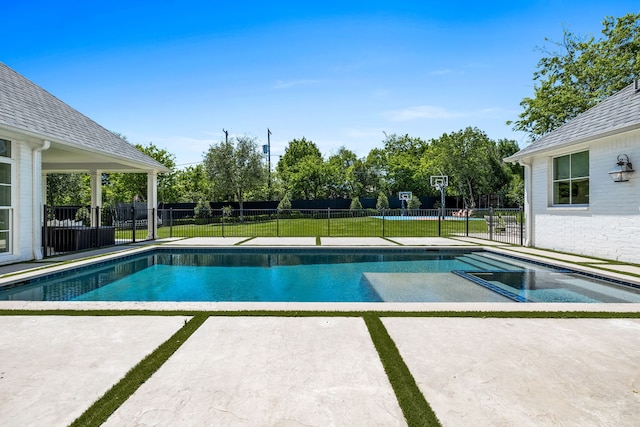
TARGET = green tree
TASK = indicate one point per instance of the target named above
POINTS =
(302, 170)
(341, 179)
(580, 74)
(235, 167)
(123, 187)
(355, 204)
(403, 163)
(309, 180)
(192, 184)
(382, 202)
(471, 161)
(285, 203)
(68, 189)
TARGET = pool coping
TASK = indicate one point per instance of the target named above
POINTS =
(403, 307)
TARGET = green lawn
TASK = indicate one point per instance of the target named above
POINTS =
(301, 227)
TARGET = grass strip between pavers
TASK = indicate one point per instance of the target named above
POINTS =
(100, 410)
(415, 408)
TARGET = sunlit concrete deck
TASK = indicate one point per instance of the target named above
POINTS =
(273, 370)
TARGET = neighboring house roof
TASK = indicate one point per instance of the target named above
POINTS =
(616, 114)
(25, 106)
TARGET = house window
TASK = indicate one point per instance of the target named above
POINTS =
(5, 195)
(571, 179)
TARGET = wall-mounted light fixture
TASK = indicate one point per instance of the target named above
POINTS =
(622, 170)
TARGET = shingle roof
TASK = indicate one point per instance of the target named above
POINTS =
(618, 113)
(26, 106)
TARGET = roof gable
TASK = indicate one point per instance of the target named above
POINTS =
(27, 107)
(618, 113)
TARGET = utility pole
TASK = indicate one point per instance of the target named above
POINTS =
(269, 163)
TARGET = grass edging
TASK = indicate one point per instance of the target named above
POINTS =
(415, 408)
(101, 409)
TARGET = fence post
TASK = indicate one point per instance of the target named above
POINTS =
(170, 222)
(328, 222)
(521, 226)
(490, 222)
(439, 225)
(133, 223)
(466, 212)
(222, 216)
(96, 233)
(153, 223)
(45, 233)
(278, 223)
(382, 222)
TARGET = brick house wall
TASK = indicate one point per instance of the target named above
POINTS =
(609, 227)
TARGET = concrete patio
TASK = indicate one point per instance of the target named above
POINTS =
(277, 370)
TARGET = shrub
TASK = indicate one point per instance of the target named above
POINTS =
(202, 209)
(382, 202)
(355, 204)
(83, 215)
(285, 203)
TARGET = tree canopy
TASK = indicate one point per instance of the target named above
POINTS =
(235, 168)
(581, 73)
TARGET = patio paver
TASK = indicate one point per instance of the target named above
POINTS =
(517, 372)
(268, 371)
(53, 368)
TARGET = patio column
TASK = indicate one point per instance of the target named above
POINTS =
(96, 196)
(152, 203)
(528, 217)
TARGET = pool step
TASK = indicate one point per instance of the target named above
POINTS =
(428, 287)
(485, 262)
(475, 263)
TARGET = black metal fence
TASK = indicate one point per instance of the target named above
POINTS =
(70, 229)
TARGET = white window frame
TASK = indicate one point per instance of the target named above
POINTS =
(570, 179)
(9, 227)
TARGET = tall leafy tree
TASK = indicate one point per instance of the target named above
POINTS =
(341, 181)
(123, 187)
(302, 171)
(403, 154)
(235, 168)
(471, 161)
(68, 189)
(192, 184)
(580, 73)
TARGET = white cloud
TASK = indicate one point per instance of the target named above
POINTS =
(430, 112)
(280, 84)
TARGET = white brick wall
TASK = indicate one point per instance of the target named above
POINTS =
(610, 226)
(21, 188)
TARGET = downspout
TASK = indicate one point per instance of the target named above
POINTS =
(36, 197)
(528, 209)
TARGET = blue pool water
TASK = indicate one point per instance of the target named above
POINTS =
(320, 275)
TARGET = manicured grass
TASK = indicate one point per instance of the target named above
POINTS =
(414, 406)
(100, 411)
(321, 227)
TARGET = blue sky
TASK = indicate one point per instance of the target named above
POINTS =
(339, 73)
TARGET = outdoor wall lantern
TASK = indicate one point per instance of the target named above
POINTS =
(622, 170)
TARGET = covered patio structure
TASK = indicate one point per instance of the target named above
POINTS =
(40, 134)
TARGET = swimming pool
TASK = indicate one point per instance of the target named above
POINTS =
(321, 275)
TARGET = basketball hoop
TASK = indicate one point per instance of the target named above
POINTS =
(439, 181)
(405, 195)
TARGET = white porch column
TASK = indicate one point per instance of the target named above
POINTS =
(528, 207)
(152, 203)
(37, 212)
(96, 196)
